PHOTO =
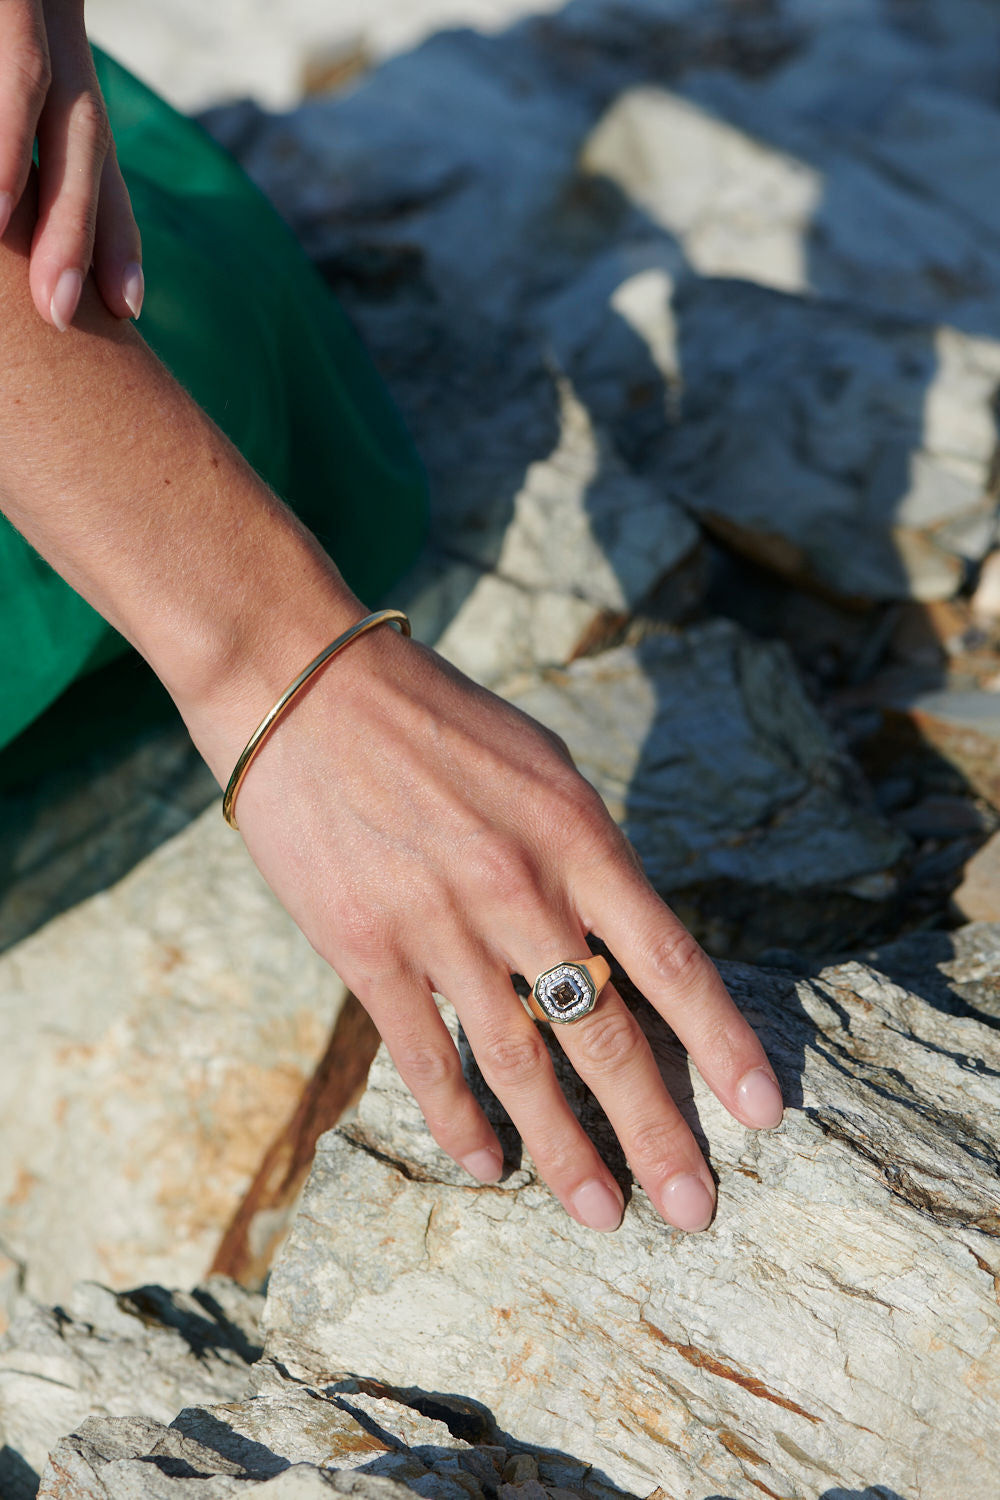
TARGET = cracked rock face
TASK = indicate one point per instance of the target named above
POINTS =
(839, 1323)
(712, 759)
(295, 1436)
(835, 1331)
(116, 1353)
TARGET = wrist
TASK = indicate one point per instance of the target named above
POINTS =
(229, 658)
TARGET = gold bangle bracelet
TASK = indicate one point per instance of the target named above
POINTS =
(267, 723)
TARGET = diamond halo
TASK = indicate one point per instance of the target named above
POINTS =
(565, 993)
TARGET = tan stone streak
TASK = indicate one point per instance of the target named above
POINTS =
(735, 1445)
(985, 1266)
(703, 1361)
(335, 1085)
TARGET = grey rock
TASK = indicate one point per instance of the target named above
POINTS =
(841, 432)
(834, 1327)
(707, 752)
(358, 1437)
(586, 542)
(145, 1351)
(72, 832)
(828, 445)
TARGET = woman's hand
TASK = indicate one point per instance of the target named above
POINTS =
(48, 89)
(426, 836)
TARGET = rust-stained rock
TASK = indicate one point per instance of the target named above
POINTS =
(155, 1040)
(837, 1326)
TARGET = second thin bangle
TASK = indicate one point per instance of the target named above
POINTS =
(267, 723)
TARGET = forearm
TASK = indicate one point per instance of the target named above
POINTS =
(120, 481)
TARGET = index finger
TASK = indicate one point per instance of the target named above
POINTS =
(671, 969)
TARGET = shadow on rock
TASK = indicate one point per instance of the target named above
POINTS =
(18, 1480)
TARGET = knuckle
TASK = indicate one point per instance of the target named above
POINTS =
(89, 122)
(501, 870)
(676, 961)
(575, 817)
(32, 74)
(653, 1149)
(608, 1040)
(361, 935)
(515, 1058)
(426, 1068)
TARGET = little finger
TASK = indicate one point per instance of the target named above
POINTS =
(427, 1060)
(117, 246)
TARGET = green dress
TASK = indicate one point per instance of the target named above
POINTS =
(244, 322)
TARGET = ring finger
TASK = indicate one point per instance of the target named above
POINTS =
(515, 1062)
(609, 1051)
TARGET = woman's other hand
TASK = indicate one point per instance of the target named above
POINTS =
(49, 90)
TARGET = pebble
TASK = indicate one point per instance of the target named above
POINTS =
(978, 896)
(986, 599)
(940, 817)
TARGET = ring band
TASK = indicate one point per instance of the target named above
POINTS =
(568, 991)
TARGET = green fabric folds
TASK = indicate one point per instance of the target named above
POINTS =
(244, 322)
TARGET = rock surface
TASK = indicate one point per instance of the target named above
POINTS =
(839, 1323)
(978, 895)
(834, 1332)
(766, 318)
(104, 1353)
(244, 47)
(698, 309)
(154, 1039)
(723, 776)
(348, 1429)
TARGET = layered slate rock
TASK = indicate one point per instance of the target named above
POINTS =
(356, 1436)
(710, 756)
(146, 1350)
(731, 231)
(833, 1331)
(836, 1326)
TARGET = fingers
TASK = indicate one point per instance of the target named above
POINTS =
(515, 1062)
(117, 248)
(610, 1052)
(25, 72)
(73, 138)
(665, 962)
(84, 213)
(428, 1063)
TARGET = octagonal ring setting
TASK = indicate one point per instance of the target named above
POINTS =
(568, 991)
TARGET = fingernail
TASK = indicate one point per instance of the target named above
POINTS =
(687, 1203)
(133, 287)
(597, 1206)
(65, 299)
(6, 209)
(486, 1166)
(758, 1099)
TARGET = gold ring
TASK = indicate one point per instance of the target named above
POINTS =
(568, 991)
